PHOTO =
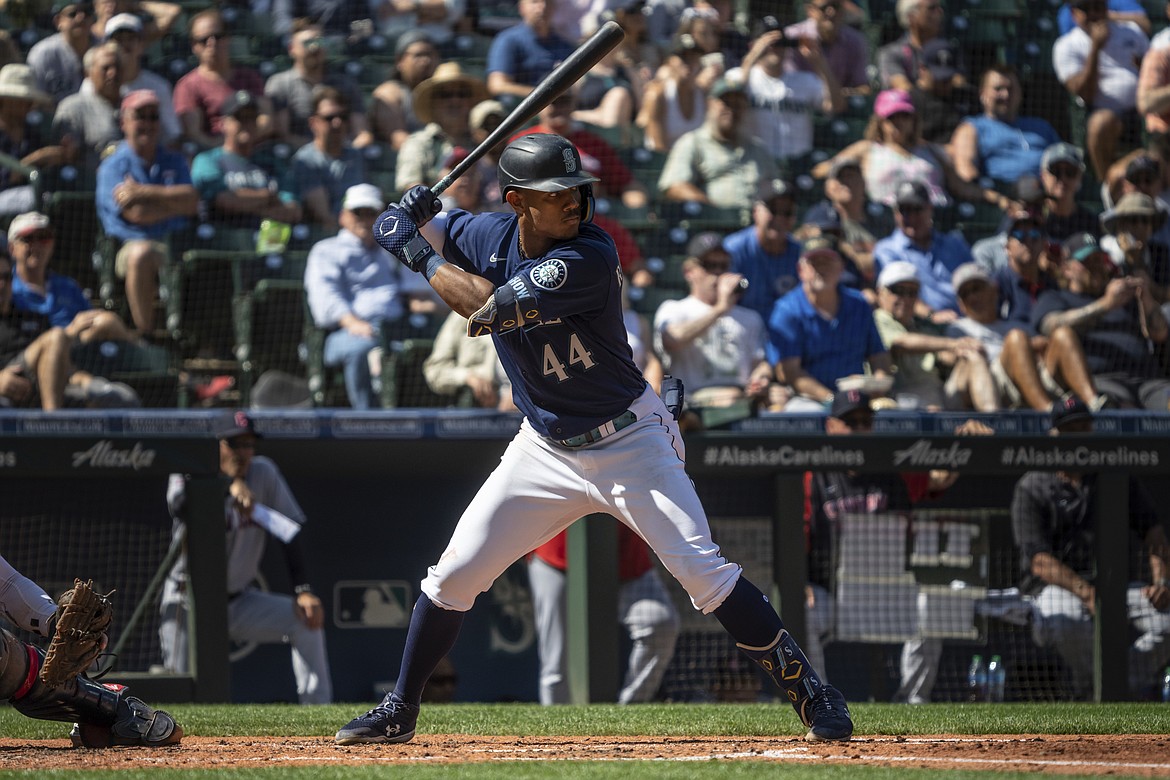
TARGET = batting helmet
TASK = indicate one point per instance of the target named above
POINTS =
(546, 163)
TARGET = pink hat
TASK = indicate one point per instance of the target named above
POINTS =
(892, 101)
(137, 99)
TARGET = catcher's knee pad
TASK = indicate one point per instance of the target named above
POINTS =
(19, 664)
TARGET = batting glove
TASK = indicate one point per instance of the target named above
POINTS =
(421, 204)
(398, 234)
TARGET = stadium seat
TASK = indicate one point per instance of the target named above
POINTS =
(268, 321)
(403, 383)
(74, 218)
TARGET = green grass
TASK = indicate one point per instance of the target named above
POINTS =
(678, 720)
(609, 720)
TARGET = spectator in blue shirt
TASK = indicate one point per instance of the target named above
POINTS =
(1120, 11)
(936, 255)
(327, 166)
(37, 289)
(353, 287)
(144, 192)
(525, 53)
(765, 253)
(999, 142)
(822, 331)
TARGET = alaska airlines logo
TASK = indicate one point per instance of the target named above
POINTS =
(103, 455)
(550, 275)
(920, 453)
(570, 161)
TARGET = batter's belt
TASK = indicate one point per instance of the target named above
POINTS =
(623, 420)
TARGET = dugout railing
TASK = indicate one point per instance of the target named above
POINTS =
(383, 490)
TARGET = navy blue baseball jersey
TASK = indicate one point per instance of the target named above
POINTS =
(565, 349)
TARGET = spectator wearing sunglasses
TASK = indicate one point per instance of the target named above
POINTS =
(128, 32)
(443, 102)
(200, 95)
(144, 193)
(1062, 170)
(327, 166)
(935, 254)
(292, 90)
(1025, 274)
(919, 351)
(56, 60)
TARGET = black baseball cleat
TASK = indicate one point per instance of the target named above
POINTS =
(828, 717)
(391, 721)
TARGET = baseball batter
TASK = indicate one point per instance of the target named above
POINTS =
(106, 714)
(545, 284)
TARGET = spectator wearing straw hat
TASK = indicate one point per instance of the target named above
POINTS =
(1130, 227)
(444, 102)
(20, 138)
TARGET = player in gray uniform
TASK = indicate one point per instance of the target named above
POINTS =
(545, 284)
(253, 615)
(106, 714)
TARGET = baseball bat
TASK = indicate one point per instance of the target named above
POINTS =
(563, 76)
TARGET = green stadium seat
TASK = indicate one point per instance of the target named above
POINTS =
(268, 322)
(75, 221)
(403, 383)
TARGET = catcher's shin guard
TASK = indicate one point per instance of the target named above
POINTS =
(107, 714)
(820, 707)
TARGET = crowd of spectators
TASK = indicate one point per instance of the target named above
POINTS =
(979, 245)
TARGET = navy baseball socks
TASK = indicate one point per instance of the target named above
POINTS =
(432, 633)
(760, 634)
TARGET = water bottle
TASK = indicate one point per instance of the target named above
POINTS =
(996, 679)
(1166, 685)
(977, 679)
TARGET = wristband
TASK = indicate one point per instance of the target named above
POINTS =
(432, 266)
(303, 588)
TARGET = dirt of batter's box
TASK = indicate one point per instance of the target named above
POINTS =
(1134, 755)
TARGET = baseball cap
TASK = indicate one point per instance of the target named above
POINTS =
(968, 272)
(484, 109)
(727, 86)
(938, 56)
(776, 188)
(818, 245)
(238, 101)
(236, 424)
(910, 192)
(824, 218)
(1014, 217)
(1068, 409)
(29, 222)
(120, 22)
(1141, 168)
(892, 101)
(898, 272)
(363, 196)
(1081, 246)
(408, 39)
(703, 243)
(848, 401)
(139, 98)
(1062, 152)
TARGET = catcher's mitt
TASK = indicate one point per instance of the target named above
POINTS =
(82, 617)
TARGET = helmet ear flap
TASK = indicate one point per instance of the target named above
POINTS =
(588, 204)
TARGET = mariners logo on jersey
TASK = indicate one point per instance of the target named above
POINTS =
(550, 275)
